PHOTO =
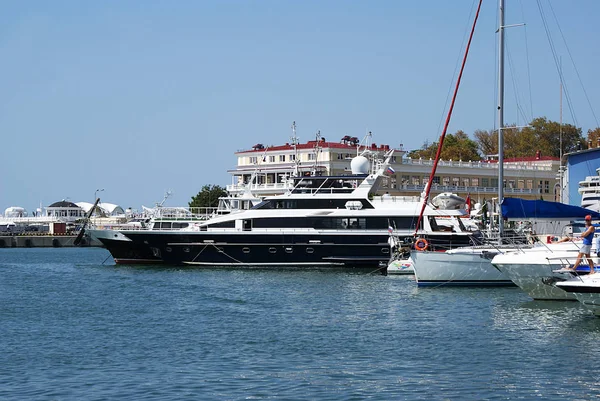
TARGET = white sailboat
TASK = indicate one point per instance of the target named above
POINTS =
(471, 265)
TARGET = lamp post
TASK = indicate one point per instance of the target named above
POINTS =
(95, 192)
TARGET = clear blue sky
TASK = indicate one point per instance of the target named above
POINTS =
(138, 97)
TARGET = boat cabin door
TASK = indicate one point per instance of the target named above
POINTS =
(244, 225)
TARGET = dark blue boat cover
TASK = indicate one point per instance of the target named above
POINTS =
(515, 208)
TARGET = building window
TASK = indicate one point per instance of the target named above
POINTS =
(425, 179)
(485, 182)
(312, 156)
(546, 187)
(281, 158)
(475, 182)
(393, 160)
(416, 180)
(494, 182)
(436, 179)
(511, 184)
(521, 184)
(272, 159)
(455, 181)
(529, 184)
(405, 179)
(253, 160)
(292, 158)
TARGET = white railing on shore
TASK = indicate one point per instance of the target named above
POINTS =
(479, 164)
(465, 189)
(30, 220)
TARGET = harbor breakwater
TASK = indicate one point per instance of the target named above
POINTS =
(45, 241)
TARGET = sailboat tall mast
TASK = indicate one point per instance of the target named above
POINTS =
(500, 117)
(561, 168)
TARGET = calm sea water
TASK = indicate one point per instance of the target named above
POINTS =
(72, 328)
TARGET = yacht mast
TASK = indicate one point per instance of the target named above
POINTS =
(317, 150)
(294, 141)
(500, 117)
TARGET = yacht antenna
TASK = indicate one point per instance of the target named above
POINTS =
(317, 150)
(167, 195)
(366, 142)
(294, 141)
(254, 174)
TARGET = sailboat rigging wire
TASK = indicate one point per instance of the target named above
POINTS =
(574, 65)
(439, 150)
(528, 66)
(520, 111)
(556, 62)
(456, 66)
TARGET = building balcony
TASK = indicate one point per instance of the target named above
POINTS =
(479, 164)
(436, 188)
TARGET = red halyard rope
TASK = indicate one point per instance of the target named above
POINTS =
(439, 150)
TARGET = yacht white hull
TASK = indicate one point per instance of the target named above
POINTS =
(586, 289)
(466, 268)
(537, 280)
(534, 271)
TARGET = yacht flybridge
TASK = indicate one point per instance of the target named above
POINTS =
(322, 221)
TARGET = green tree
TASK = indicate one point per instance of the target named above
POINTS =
(546, 137)
(457, 146)
(541, 135)
(487, 141)
(208, 196)
(593, 135)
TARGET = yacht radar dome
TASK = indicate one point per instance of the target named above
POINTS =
(360, 165)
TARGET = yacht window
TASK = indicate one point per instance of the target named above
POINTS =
(443, 224)
(433, 223)
(264, 205)
(225, 224)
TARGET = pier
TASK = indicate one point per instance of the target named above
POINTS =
(45, 241)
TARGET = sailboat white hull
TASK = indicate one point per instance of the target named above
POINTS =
(468, 268)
